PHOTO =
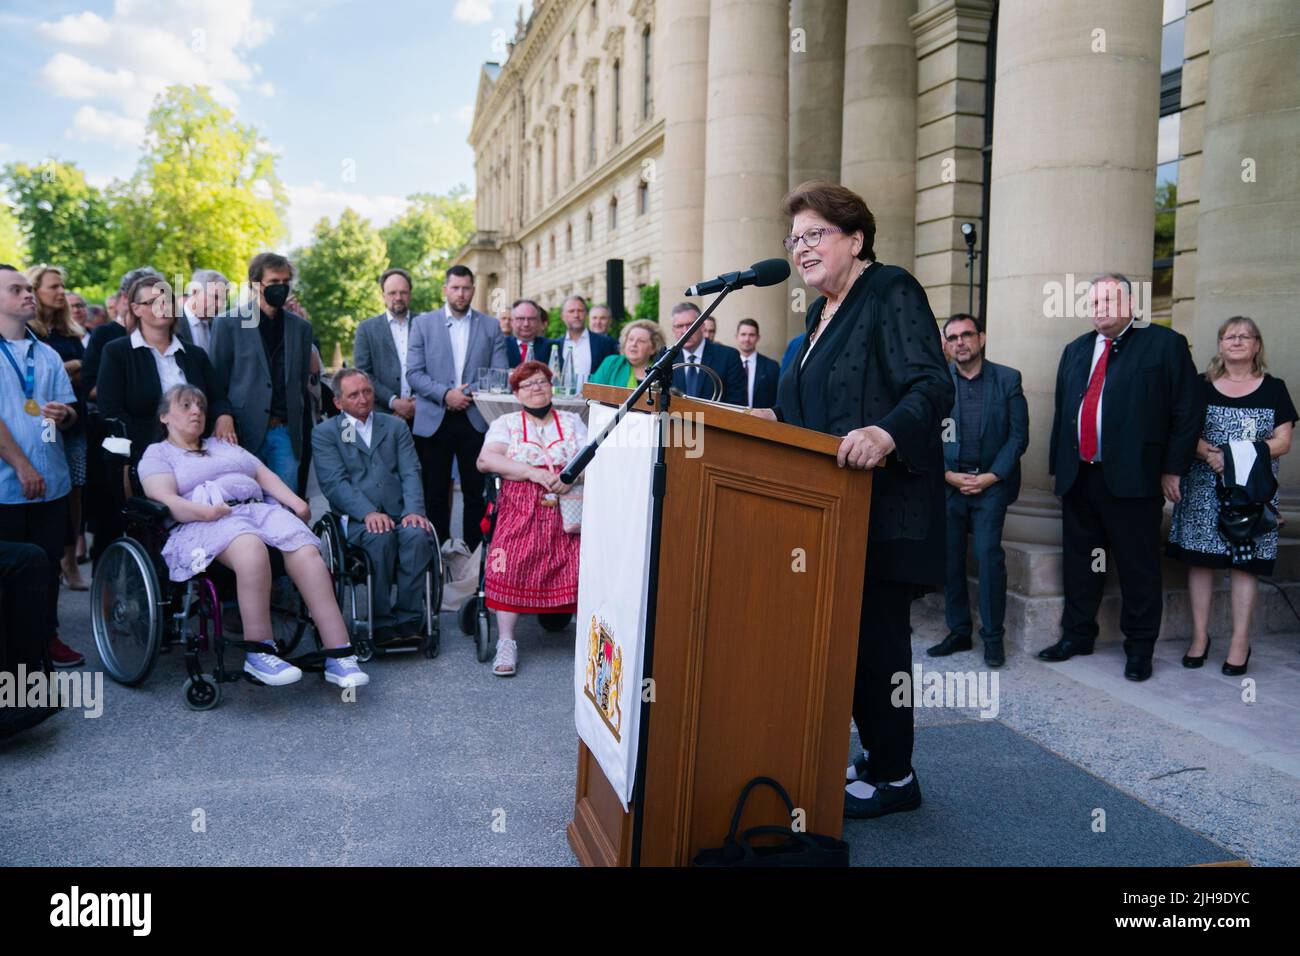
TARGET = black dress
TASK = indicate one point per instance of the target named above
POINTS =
(1194, 531)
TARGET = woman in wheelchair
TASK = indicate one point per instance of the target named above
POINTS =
(216, 493)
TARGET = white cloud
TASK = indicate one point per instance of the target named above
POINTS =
(124, 61)
(465, 113)
(94, 125)
(307, 204)
(472, 11)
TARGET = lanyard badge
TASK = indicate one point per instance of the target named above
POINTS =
(29, 379)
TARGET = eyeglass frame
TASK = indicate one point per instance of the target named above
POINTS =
(1239, 337)
(534, 384)
(791, 242)
(968, 334)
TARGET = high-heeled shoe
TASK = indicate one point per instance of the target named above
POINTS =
(1190, 661)
(1236, 670)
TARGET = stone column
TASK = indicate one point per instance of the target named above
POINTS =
(1073, 193)
(746, 143)
(682, 47)
(1248, 259)
(1191, 135)
(816, 117)
(878, 160)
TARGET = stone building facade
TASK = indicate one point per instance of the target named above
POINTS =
(1052, 126)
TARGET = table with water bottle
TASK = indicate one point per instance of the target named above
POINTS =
(493, 398)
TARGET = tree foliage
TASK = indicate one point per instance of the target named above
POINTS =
(13, 249)
(63, 220)
(337, 277)
(205, 193)
(425, 239)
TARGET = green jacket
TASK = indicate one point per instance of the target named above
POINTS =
(613, 371)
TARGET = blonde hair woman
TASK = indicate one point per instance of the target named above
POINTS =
(638, 343)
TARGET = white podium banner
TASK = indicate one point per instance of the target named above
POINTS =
(613, 581)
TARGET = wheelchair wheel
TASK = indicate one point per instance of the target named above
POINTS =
(554, 623)
(202, 693)
(430, 645)
(483, 643)
(364, 648)
(467, 614)
(125, 611)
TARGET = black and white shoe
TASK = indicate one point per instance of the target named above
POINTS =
(888, 798)
(858, 769)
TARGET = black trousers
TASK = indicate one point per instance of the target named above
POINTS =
(24, 569)
(458, 439)
(41, 524)
(1127, 532)
(884, 649)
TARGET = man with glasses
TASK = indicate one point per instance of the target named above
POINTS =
(527, 322)
(983, 441)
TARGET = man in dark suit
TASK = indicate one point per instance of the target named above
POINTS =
(984, 439)
(528, 322)
(1125, 429)
(261, 353)
(582, 350)
(205, 299)
(761, 373)
(381, 345)
(448, 347)
(368, 469)
(723, 359)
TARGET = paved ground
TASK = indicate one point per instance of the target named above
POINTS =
(440, 762)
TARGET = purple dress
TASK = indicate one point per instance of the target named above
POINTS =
(225, 473)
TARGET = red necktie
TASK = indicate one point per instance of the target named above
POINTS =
(1091, 399)
(523, 353)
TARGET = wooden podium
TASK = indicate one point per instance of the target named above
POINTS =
(760, 587)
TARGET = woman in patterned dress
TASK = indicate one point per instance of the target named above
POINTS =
(1242, 402)
(532, 566)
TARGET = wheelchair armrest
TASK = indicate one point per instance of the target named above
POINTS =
(146, 509)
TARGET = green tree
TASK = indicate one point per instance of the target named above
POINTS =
(12, 248)
(647, 306)
(63, 220)
(337, 276)
(425, 239)
(205, 193)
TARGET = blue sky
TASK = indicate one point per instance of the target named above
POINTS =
(386, 84)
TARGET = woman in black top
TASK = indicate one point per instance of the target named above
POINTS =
(130, 381)
(871, 369)
(1242, 403)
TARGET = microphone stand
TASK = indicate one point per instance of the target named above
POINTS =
(662, 371)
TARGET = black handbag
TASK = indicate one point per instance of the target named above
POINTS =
(798, 849)
(1242, 519)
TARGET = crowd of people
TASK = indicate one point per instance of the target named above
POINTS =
(223, 407)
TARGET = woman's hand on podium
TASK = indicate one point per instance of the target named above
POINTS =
(865, 447)
(765, 413)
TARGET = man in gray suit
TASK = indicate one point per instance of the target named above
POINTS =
(261, 353)
(381, 346)
(448, 346)
(368, 470)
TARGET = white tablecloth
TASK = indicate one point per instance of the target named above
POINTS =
(494, 406)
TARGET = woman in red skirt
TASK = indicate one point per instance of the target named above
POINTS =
(532, 564)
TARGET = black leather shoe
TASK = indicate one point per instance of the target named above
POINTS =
(1190, 661)
(858, 771)
(1137, 668)
(1064, 649)
(950, 645)
(887, 799)
(1236, 670)
(994, 655)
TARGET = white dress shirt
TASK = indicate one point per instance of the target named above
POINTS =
(200, 330)
(458, 330)
(1098, 347)
(580, 351)
(363, 429)
(401, 332)
(169, 372)
(750, 364)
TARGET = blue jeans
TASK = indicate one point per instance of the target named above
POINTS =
(980, 516)
(277, 454)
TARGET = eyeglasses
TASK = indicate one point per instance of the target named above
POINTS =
(537, 384)
(1234, 339)
(811, 237)
(960, 335)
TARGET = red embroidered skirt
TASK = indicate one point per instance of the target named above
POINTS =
(532, 564)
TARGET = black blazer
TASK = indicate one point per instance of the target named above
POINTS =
(766, 376)
(129, 389)
(541, 351)
(1151, 411)
(1004, 427)
(724, 360)
(888, 370)
(602, 347)
(99, 338)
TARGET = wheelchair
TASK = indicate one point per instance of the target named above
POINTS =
(137, 612)
(353, 571)
(473, 616)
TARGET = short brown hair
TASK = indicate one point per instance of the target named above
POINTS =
(525, 370)
(389, 273)
(267, 260)
(838, 205)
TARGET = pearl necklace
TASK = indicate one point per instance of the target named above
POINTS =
(828, 314)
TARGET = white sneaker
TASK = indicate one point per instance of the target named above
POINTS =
(507, 658)
(344, 672)
(272, 670)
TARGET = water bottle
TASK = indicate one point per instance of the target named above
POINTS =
(555, 364)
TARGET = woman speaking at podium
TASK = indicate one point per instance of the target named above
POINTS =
(871, 370)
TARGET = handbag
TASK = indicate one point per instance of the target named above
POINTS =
(1242, 519)
(571, 510)
(798, 849)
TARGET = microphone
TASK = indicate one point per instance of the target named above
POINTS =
(767, 272)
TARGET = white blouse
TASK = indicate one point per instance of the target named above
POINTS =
(552, 443)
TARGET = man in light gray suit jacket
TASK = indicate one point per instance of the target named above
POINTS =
(369, 471)
(382, 343)
(262, 358)
(447, 348)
